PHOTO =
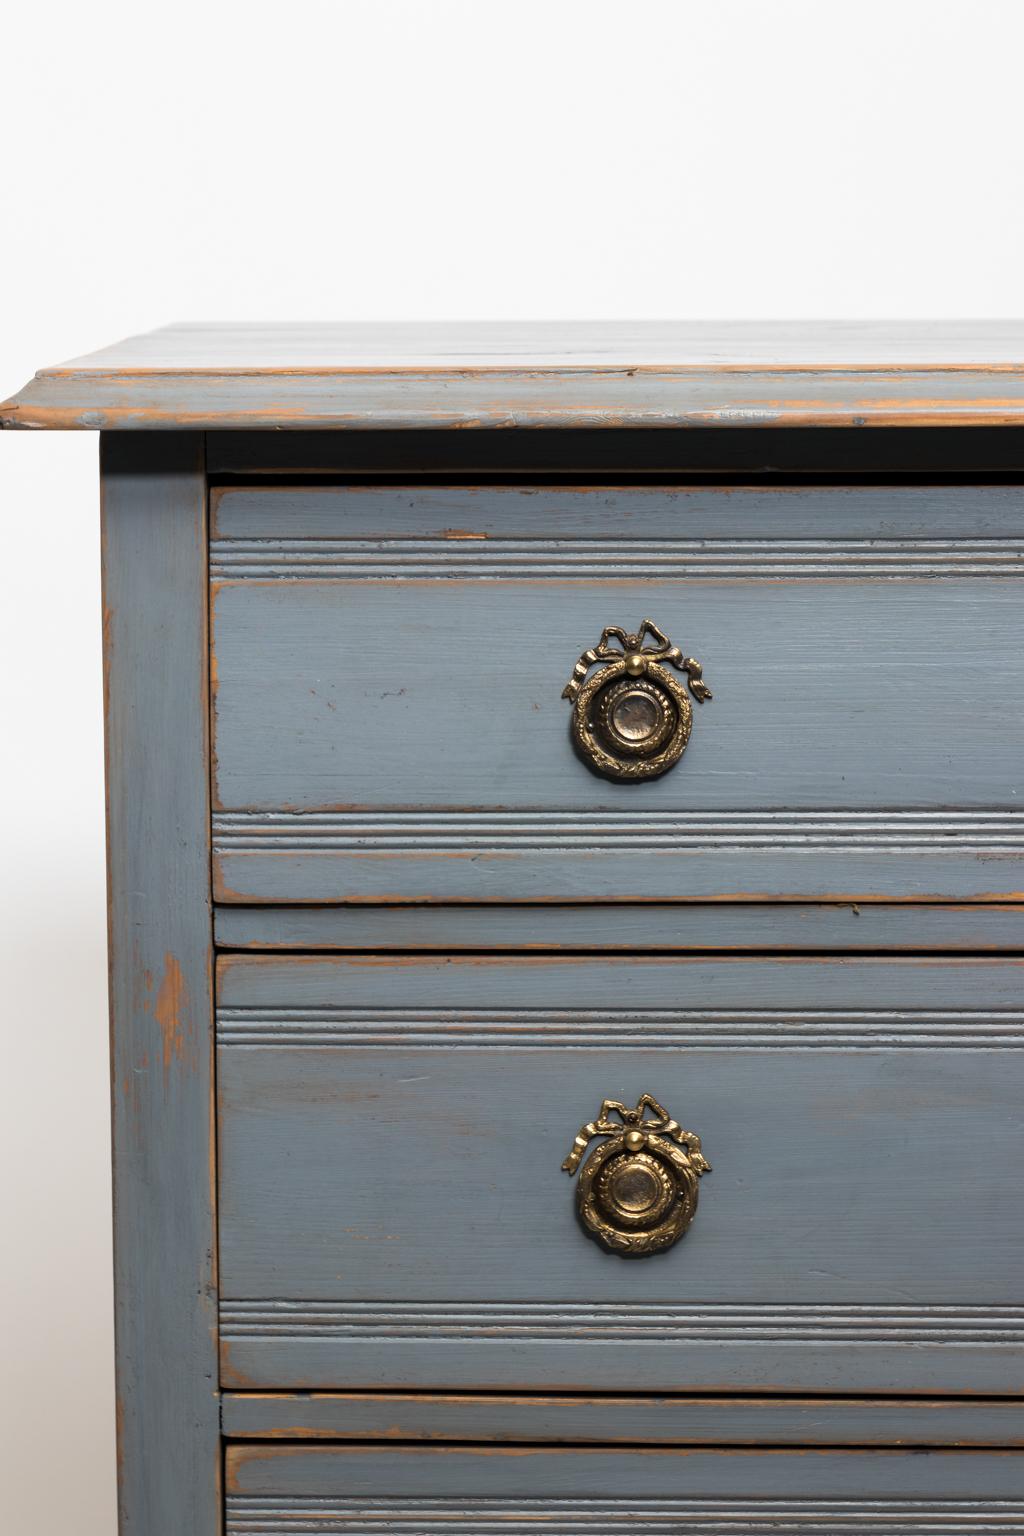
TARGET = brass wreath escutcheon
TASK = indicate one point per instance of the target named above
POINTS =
(637, 1194)
(632, 720)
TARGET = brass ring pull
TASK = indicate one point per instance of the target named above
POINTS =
(637, 1194)
(632, 720)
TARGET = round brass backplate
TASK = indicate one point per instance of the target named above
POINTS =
(634, 1189)
(637, 1201)
(633, 717)
(628, 727)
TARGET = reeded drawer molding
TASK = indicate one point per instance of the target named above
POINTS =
(484, 556)
(642, 1323)
(571, 1491)
(650, 1029)
(273, 1516)
(483, 856)
(490, 832)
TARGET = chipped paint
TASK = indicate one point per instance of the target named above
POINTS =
(933, 378)
(172, 1013)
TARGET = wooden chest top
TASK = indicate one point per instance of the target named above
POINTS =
(538, 374)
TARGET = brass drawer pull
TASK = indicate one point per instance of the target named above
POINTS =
(632, 720)
(637, 1193)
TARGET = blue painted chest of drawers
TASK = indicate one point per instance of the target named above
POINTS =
(564, 751)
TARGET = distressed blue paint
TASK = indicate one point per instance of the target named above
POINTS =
(154, 531)
(389, 722)
(393, 1211)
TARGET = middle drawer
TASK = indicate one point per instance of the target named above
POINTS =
(393, 1209)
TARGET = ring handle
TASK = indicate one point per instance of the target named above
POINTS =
(637, 1192)
(631, 720)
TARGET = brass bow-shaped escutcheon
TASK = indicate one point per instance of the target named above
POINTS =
(631, 719)
(637, 1193)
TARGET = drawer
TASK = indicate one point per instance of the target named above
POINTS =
(389, 664)
(393, 1210)
(272, 1490)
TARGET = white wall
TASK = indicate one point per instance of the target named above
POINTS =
(571, 158)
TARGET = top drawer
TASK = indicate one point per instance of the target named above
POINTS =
(389, 663)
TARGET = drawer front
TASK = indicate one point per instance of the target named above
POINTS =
(422, 1492)
(389, 666)
(393, 1210)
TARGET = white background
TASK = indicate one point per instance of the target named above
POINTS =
(571, 158)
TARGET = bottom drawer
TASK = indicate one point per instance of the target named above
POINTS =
(273, 1490)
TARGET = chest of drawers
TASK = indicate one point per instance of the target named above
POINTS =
(565, 863)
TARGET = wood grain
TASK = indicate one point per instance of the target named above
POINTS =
(795, 927)
(266, 525)
(606, 1419)
(289, 346)
(272, 1488)
(393, 1214)
(389, 723)
(155, 647)
(609, 374)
